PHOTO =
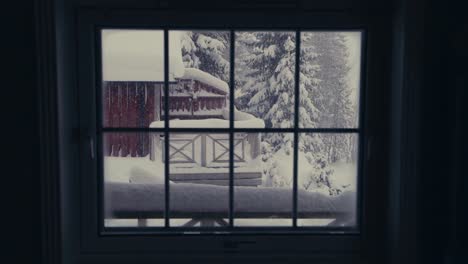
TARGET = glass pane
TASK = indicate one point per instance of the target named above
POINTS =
(133, 179)
(264, 79)
(133, 76)
(263, 178)
(327, 179)
(199, 169)
(199, 93)
(329, 79)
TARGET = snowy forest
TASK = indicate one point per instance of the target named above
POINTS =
(264, 87)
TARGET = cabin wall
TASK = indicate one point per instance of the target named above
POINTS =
(129, 104)
(137, 104)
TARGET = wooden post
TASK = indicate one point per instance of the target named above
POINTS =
(142, 222)
(203, 150)
(207, 222)
(254, 142)
(154, 145)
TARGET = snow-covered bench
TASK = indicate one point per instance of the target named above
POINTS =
(197, 201)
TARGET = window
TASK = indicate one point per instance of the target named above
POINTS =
(225, 136)
(236, 131)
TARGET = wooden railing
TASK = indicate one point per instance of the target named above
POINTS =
(213, 149)
(204, 158)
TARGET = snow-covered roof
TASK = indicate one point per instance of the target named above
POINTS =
(138, 55)
(204, 77)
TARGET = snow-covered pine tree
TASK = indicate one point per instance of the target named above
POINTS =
(207, 51)
(265, 64)
(269, 86)
(334, 102)
(324, 97)
(309, 84)
(318, 177)
(269, 166)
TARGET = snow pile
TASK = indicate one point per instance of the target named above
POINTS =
(341, 176)
(206, 78)
(140, 175)
(137, 199)
(204, 93)
(278, 166)
(138, 55)
(133, 169)
(238, 115)
(345, 175)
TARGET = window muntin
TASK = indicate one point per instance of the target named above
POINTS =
(300, 135)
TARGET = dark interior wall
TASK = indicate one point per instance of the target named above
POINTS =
(21, 215)
(444, 119)
(458, 197)
(439, 222)
(429, 69)
(429, 55)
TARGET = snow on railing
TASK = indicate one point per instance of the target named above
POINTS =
(241, 120)
(133, 200)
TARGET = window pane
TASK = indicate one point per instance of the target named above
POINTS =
(329, 79)
(263, 178)
(264, 79)
(133, 76)
(199, 171)
(133, 96)
(133, 179)
(199, 92)
(327, 179)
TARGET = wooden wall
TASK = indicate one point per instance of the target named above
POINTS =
(129, 104)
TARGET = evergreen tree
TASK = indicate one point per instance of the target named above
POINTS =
(334, 94)
(268, 92)
(318, 178)
(207, 51)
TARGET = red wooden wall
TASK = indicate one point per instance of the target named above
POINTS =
(133, 104)
(128, 104)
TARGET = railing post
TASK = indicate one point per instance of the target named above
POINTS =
(142, 222)
(154, 145)
(203, 150)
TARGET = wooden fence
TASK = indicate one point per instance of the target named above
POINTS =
(129, 104)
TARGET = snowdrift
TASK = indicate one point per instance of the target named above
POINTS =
(134, 200)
